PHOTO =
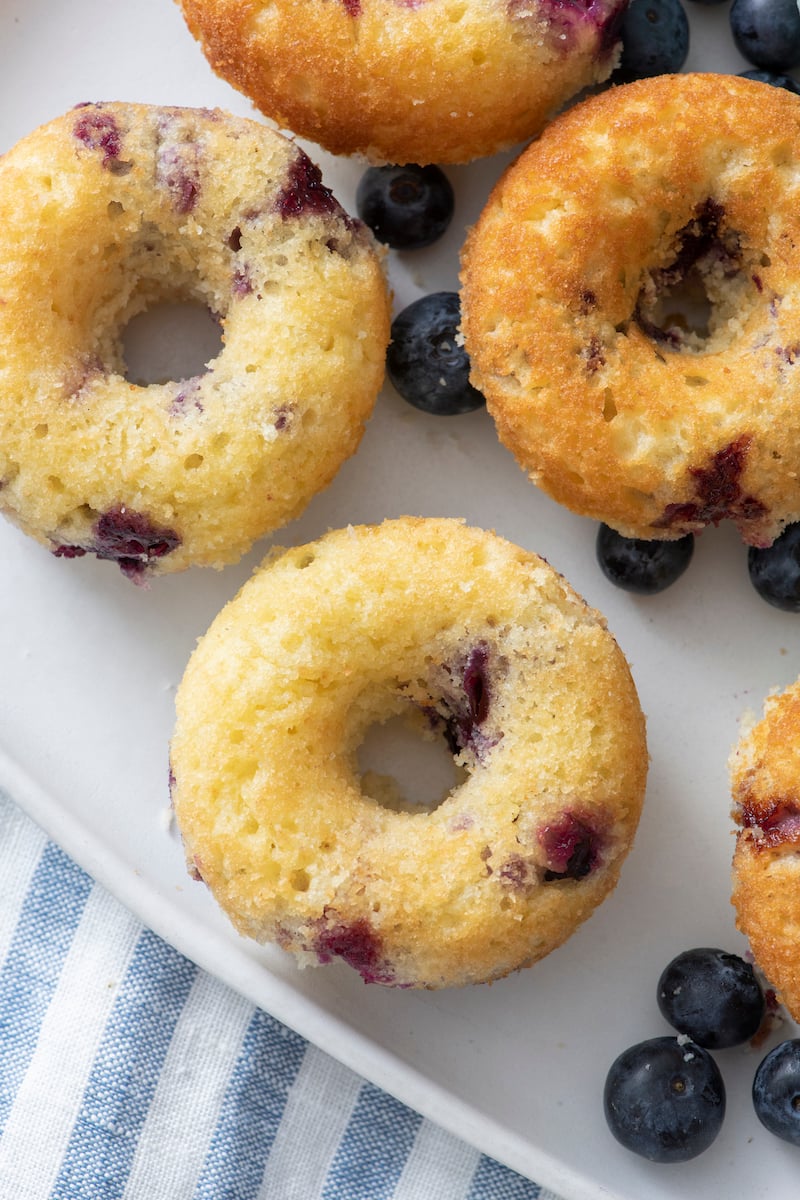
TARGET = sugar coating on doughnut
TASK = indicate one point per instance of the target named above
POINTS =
(765, 784)
(631, 307)
(114, 208)
(409, 80)
(470, 639)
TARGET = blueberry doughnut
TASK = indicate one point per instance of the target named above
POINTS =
(409, 81)
(631, 307)
(469, 638)
(765, 779)
(112, 208)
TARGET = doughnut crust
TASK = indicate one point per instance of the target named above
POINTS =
(470, 638)
(402, 81)
(652, 196)
(113, 208)
(765, 778)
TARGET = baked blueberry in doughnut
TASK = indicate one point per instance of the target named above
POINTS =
(631, 307)
(765, 783)
(113, 208)
(409, 81)
(470, 639)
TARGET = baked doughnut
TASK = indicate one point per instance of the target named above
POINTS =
(667, 193)
(112, 208)
(402, 81)
(475, 640)
(765, 778)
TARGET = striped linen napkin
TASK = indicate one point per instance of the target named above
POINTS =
(127, 1072)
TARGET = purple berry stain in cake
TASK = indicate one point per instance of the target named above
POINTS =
(131, 540)
(359, 946)
(565, 17)
(187, 396)
(572, 847)
(594, 356)
(516, 873)
(776, 821)
(241, 284)
(99, 131)
(178, 172)
(195, 869)
(469, 706)
(718, 491)
(284, 416)
(127, 538)
(304, 193)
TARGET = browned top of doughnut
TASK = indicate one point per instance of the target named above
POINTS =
(765, 775)
(608, 403)
(408, 80)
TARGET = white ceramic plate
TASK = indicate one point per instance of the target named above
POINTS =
(90, 665)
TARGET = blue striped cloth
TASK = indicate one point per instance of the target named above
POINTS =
(127, 1072)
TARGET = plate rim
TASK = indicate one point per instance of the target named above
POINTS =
(354, 1050)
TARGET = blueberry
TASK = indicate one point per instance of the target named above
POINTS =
(776, 1091)
(664, 1099)
(639, 565)
(767, 32)
(405, 207)
(712, 996)
(781, 81)
(426, 360)
(775, 570)
(572, 847)
(655, 38)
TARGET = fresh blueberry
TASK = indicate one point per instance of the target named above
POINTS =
(712, 996)
(767, 32)
(639, 565)
(664, 1099)
(781, 81)
(775, 570)
(655, 39)
(405, 207)
(776, 1091)
(426, 360)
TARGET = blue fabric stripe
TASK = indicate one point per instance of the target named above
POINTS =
(120, 1088)
(251, 1112)
(492, 1181)
(48, 919)
(374, 1149)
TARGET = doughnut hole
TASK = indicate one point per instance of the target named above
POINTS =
(406, 766)
(170, 340)
(705, 286)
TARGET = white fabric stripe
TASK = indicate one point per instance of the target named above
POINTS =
(43, 1114)
(544, 1194)
(439, 1165)
(21, 846)
(318, 1109)
(183, 1114)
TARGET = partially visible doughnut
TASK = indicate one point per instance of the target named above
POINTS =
(765, 778)
(114, 207)
(403, 81)
(471, 638)
(612, 405)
